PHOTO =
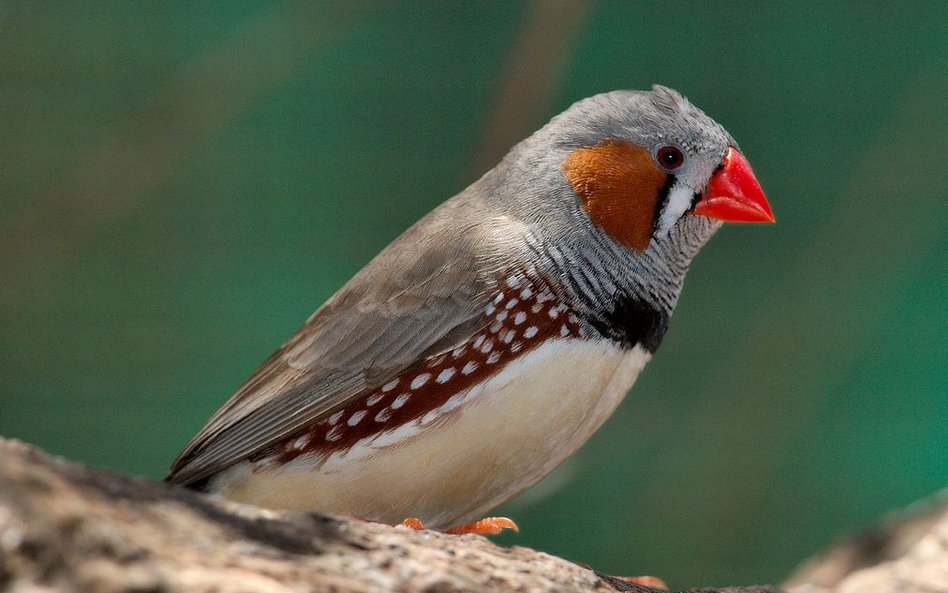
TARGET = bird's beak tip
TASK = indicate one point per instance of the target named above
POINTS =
(734, 194)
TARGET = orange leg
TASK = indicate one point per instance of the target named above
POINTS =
(414, 523)
(645, 581)
(494, 525)
(486, 526)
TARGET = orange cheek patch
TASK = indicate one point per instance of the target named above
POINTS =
(618, 186)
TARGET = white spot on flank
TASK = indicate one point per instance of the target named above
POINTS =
(520, 318)
(530, 332)
(356, 418)
(494, 357)
(488, 345)
(495, 327)
(554, 313)
(436, 361)
(445, 375)
(536, 308)
(390, 385)
(459, 351)
(384, 415)
(301, 442)
(478, 342)
(574, 373)
(509, 337)
(545, 296)
(502, 316)
(526, 293)
(512, 281)
(512, 303)
(498, 298)
(490, 310)
(469, 368)
(564, 331)
(420, 380)
(373, 399)
(453, 402)
(516, 347)
(335, 418)
(334, 434)
(400, 401)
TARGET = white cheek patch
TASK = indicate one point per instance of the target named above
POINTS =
(679, 201)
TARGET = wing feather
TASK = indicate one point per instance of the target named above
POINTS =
(420, 294)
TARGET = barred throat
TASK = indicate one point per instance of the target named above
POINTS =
(523, 313)
(624, 296)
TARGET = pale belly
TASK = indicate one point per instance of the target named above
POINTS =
(453, 465)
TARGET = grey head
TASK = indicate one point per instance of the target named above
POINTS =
(574, 221)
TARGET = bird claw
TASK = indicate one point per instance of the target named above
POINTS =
(486, 526)
(646, 581)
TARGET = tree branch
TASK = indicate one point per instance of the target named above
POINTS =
(66, 527)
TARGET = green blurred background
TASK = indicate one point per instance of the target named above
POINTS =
(183, 183)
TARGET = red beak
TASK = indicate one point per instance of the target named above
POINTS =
(733, 194)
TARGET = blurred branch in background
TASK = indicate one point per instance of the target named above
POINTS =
(198, 101)
(525, 87)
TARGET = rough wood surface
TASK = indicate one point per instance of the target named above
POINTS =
(907, 554)
(65, 527)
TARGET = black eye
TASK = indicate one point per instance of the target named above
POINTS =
(670, 157)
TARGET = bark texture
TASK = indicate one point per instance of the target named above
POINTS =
(66, 527)
(907, 554)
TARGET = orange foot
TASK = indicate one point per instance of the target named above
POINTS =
(646, 581)
(486, 526)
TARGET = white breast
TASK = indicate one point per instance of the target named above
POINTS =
(482, 447)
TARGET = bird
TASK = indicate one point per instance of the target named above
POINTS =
(491, 339)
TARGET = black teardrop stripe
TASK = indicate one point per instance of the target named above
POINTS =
(662, 201)
(631, 321)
